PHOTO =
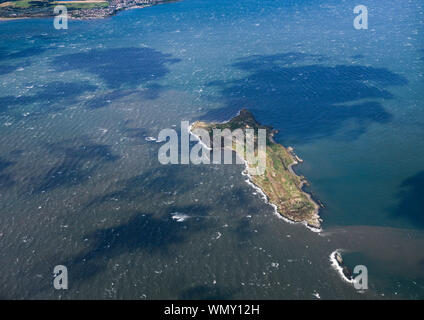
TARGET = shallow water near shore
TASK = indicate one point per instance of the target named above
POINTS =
(81, 186)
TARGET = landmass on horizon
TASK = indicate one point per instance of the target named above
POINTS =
(281, 186)
(77, 9)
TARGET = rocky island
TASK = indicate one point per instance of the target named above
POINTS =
(280, 185)
(77, 9)
(338, 264)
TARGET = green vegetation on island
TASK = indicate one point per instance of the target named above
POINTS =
(281, 185)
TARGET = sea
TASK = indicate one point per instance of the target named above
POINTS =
(81, 185)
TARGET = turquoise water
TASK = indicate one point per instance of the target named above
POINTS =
(80, 185)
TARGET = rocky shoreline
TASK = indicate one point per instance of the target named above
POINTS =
(338, 264)
(303, 182)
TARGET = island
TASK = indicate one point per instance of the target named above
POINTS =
(280, 185)
(339, 265)
(77, 9)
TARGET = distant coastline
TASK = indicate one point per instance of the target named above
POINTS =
(80, 10)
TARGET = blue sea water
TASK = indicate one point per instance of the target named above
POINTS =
(80, 185)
